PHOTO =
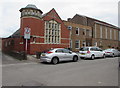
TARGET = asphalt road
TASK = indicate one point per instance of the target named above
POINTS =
(99, 72)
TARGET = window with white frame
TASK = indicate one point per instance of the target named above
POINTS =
(106, 32)
(95, 44)
(77, 44)
(34, 39)
(70, 43)
(52, 32)
(70, 27)
(110, 33)
(77, 31)
(90, 33)
(84, 44)
(101, 31)
(119, 35)
(87, 32)
(95, 30)
(84, 31)
(115, 34)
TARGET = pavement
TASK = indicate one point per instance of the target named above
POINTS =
(32, 58)
(6, 59)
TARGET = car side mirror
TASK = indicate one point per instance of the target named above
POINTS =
(70, 52)
(100, 50)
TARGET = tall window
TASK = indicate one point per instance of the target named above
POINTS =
(70, 43)
(119, 35)
(52, 32)
(84, 44)
(106, 32)
(95, 44)
(89, 33)
(84, 31)
(100, 31)
(115, 34)
(110, 33)
(77, 44)
(77, 31)
(95, 31)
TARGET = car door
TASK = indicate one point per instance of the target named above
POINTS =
(116, 52)
(68, 54)
(100, 53)
(95, 51)
(59, 53)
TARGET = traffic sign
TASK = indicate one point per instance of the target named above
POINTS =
(27, 33)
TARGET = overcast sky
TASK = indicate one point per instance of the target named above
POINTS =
(104, 10)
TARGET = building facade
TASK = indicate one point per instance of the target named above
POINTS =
(46, 31)
(104, 35)
(80, 35)
(50, 31)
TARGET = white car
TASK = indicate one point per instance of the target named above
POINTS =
(91, 52)
(58, 54)
(112, 52)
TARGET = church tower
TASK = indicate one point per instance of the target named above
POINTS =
(31, 18)
(31, 11)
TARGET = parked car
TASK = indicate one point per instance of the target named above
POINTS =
(91, 52)
(58, 54)
(112, 52)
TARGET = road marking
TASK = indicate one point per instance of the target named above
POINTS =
(6, 65)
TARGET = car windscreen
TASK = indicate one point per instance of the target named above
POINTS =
(84, 49)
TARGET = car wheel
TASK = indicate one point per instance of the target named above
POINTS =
(113, 55)
(104, 56)
(93, 57)
(75, 58)
(55, 60)
(83, 58)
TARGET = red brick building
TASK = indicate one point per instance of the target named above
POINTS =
(47, 31)
(50, 31)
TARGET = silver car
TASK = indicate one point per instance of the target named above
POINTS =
(91, 52)
(111, 52)
(58, 54)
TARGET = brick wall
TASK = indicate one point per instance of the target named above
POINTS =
(12, 44)
(37, 26)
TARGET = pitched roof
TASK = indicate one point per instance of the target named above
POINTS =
(16, 34)
(97, 21)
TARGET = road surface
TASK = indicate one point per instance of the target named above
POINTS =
(98, 72)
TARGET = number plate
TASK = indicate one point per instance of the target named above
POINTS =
(42, 54)
(82, 53)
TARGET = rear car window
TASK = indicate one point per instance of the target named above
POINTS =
(49, 50)
(59, 51)
(95, 49)
(84, 49)
(66, 50)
